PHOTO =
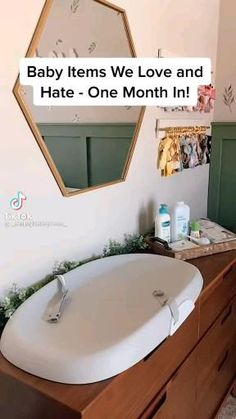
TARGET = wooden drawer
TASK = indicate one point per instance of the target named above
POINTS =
(214, 300)
(215, 343)
(222, 377)
(131, 392)
(216, 363)
(178, 399)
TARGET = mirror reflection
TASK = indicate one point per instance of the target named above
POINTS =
(85, 147)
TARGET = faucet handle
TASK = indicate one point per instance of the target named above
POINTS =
(56, 314)
(61, 282)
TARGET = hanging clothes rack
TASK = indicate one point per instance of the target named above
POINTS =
(185, 130)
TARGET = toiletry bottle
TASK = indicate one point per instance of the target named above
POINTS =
(162, 223)
(180, 221)
(195, 230)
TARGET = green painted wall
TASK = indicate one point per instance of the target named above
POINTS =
(222, 185)
(88, 154)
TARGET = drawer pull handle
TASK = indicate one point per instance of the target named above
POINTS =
(228, 272)
(227, 315)
(158, 406)
(223, 361)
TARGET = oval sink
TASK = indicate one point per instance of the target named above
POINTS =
(118, 309)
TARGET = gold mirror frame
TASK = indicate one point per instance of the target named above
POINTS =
(29, 117)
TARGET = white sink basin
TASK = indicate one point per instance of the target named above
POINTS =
(110, 321)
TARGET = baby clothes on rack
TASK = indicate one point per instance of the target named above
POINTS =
(183, 151)
(169, 156)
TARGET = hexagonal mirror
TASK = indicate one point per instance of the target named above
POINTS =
(85, 147)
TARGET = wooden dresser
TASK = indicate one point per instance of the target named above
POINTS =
(186, 377)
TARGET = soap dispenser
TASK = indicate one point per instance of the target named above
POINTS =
(162, 223)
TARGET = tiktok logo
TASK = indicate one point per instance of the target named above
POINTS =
(16, 203)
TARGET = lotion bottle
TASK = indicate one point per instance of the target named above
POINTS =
(180, 221)
(162, 223)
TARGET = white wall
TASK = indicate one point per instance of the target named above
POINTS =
(226, 61)
(95, 217)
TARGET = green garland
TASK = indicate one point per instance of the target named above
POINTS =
(16, 296)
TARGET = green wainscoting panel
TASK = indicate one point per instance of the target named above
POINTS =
(107, 158)
(88, 154)
(222, 185)
(70, 158)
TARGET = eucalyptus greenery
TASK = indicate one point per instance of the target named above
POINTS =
(16, 296)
